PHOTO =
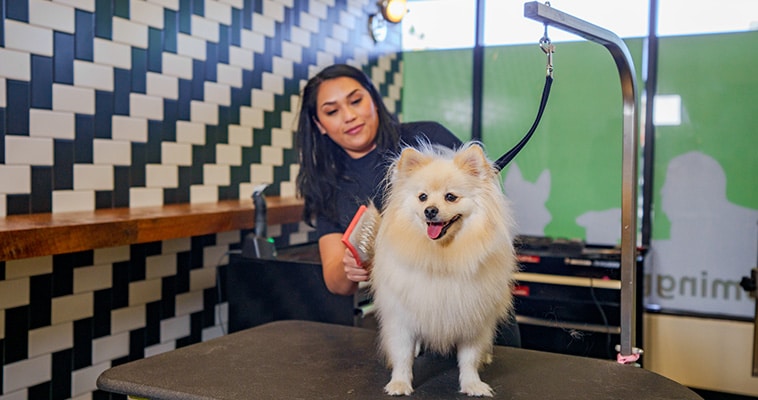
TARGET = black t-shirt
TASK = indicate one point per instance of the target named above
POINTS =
(363, 181)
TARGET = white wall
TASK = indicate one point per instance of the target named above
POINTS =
(701, 353)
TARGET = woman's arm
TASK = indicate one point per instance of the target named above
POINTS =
(341, 272)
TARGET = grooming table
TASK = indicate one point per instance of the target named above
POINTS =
(312, 360)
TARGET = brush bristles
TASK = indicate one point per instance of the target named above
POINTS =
(366, 234)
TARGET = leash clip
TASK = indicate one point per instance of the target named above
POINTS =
(548, 48)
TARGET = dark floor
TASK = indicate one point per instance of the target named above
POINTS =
(709, 395)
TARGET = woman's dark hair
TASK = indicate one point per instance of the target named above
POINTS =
(320, 165)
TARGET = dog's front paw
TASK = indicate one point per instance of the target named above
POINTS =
(398, 388)
(477, 389)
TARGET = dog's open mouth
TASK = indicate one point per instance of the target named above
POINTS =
(436, 230)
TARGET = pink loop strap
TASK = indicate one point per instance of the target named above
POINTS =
(632, 358)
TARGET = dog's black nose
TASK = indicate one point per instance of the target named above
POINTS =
(431, 212)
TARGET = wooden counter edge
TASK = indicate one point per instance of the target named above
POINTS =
(36, 235)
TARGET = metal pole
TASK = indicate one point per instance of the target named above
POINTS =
(478, 74)
(620, 52)
(650, 76)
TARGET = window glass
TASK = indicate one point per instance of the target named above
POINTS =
(450, 24)
(505, 22)
(686, 17)
(439, 24)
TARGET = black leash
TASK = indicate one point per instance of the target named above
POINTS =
(507, 157)
(548, 48)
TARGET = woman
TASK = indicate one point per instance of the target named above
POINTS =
(346, 136)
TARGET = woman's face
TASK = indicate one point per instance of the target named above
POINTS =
(347, 114)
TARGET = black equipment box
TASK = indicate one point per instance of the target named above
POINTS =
(287, 287)
(567, 296)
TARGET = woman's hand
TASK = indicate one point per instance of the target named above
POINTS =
(353, 271)
(340, 269)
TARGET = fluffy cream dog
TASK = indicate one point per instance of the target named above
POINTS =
(443, 263)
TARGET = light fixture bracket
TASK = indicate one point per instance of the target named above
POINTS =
(377, 27)
(390, 12)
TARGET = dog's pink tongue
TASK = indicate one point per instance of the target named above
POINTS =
(433, 230)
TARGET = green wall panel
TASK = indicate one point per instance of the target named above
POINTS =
(437, 87)
(705, 214)
(579, 138)
(716, 78)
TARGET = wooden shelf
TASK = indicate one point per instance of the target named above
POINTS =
(34, 235)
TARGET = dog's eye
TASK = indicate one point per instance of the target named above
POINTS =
(450, 197)
(422, 197)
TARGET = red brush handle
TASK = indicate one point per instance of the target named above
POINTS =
(349, 231)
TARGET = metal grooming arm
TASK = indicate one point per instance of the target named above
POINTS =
(620, 53)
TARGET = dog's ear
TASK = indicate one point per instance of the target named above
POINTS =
(473, 160)
(410, 160)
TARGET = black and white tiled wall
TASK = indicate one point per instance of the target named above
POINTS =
(130, 103)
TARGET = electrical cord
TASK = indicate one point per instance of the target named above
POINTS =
(603, 316)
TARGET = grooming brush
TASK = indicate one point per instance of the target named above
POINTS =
(359, 236)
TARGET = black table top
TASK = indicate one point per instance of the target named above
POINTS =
(311, 360)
